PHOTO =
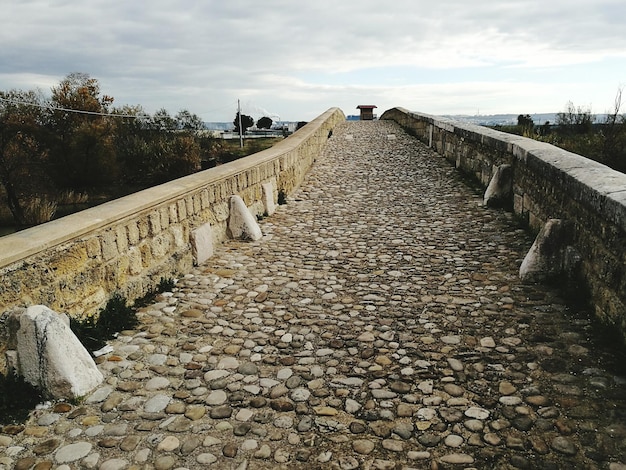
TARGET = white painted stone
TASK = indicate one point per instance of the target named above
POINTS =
(201, 244)
(268, 198)
(241, 223)
(51, 357)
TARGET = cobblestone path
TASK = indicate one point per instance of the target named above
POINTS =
(378, 324)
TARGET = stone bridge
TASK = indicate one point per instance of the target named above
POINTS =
(379, 322)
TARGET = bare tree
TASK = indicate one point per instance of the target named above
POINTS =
(614, 131)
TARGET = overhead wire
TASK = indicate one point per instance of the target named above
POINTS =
(96, 113)
(69, 110)
(80, 111)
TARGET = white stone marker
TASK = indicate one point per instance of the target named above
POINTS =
(51, 357)
(241, 223)
(268, 198)
(202, 244)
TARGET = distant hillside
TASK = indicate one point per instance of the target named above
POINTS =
(511, 119)
(502, 119)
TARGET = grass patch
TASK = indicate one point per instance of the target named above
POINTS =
(17, 399)
(164, 285)
(282, 197)
(94, 332)
(230, 150)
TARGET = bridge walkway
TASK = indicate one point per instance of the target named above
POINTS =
(379, 323)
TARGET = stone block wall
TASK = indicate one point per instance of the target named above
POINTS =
(75, 263)
(548, 183)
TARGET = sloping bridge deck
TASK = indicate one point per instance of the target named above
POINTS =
(379, 323)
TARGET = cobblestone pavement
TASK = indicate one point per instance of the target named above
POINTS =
(379, 324)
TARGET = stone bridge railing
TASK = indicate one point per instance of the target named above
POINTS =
(75, 263)
(541, 183)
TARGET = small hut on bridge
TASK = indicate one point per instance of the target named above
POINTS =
(367, 111)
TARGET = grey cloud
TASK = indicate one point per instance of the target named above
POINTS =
(206, 53)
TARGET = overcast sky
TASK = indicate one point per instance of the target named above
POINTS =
(294, 59)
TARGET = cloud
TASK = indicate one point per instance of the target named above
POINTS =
(299, 58)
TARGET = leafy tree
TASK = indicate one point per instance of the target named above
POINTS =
(155, 149)
(168, 156)
(161, 120)
(82, 150)
(264, 123)
(210, 148)
(246, 121)
(185, 157)
(525, 123)
(23, 152)
(80, 92)
(77, 141)
(131, 144)
(525, 120)
(188, 121)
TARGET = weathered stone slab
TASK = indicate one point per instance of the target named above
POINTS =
(202, 244)
(268, 198)
(51, 357)
(551, 254)
(499, 191)
(241, 223)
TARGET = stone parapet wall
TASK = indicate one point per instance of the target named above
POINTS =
(75, 263)
(548, 183)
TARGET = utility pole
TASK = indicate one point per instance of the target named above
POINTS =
(240, 133)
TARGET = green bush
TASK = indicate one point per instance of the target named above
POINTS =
(17, 399)
(282, 197)
(93, 332)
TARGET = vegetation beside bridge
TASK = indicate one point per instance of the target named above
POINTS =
(75, 149)
(576, 130)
